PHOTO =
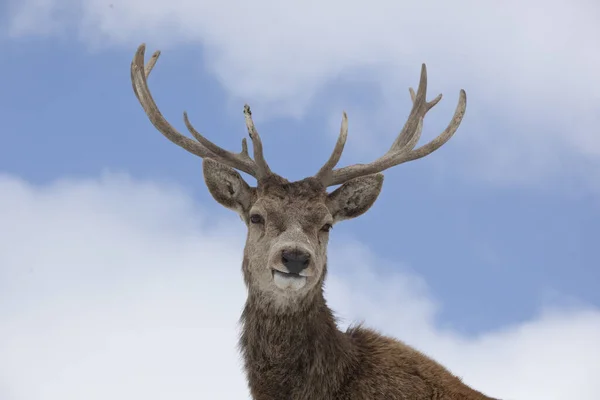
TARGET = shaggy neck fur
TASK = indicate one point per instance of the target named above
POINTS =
(301, 355)
(298, 354)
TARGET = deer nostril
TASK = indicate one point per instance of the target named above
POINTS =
(295, 260)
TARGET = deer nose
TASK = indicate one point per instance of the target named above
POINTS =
(295, 261)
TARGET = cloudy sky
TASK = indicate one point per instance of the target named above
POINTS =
(120, 275)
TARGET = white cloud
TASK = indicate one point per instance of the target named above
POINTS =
(530, 68)
(121, 289)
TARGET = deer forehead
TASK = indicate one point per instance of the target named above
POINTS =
(301, 211)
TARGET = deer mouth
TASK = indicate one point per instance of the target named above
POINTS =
(288, 280)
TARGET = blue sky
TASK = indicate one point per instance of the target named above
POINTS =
(498, 228)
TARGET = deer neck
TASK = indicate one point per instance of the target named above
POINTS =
(286, 353)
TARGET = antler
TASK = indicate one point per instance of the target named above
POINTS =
(204, 148)
(403, 148)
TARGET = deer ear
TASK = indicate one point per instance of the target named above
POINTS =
(228, 187)
(354, 197)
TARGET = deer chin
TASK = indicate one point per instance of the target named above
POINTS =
(288, 281)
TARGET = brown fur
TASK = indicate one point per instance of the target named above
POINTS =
(291, 345)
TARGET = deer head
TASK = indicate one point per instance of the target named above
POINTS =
(285, 257)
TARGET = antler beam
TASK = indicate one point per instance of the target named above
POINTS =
(203, 147)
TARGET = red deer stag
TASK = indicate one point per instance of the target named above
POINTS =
(290, 342)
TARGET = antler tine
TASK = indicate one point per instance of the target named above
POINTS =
(234, 160)
(202, 148)
(324, 174)
(402, 149)
(151, 63)
(263, 169)
(442, 138)
(417, 113)
(408, 142)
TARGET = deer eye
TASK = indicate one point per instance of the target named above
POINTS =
(326, 228)
(256, 219)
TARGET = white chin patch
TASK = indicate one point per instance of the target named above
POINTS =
(288, 281)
